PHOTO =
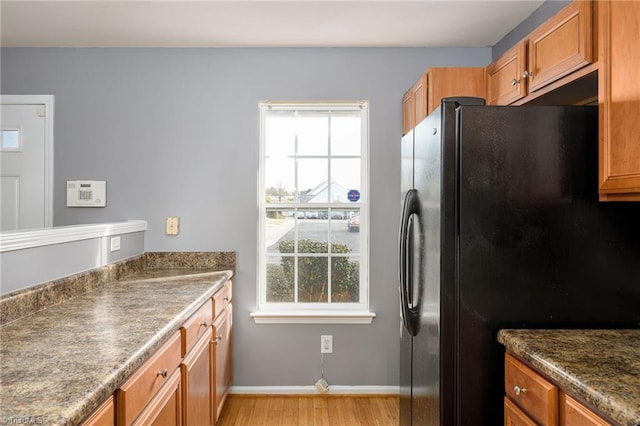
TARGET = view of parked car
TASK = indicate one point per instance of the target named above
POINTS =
(353, 224)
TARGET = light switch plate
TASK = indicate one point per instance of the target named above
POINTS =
(173, 223)
(115, 243)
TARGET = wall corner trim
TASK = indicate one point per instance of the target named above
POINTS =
(23, 239)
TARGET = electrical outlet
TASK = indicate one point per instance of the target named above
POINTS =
(326, 344)
(115, 243)
(172, 227)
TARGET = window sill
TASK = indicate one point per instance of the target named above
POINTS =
(313, 317)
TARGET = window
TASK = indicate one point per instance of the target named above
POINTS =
(313, 213)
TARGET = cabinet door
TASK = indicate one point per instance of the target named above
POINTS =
(448, 82)
(619, 99)
(222, 342)
(561, 45)
(408, 106)
(572, 413)
(505, 83)
(420, 99)
(104, 415)
(197, 386)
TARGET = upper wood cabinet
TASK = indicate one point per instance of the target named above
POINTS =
(619, 99)
(437, 83)
(448, 82)
(505, 84)
(414, 104)
(553, 51)
(561, 45)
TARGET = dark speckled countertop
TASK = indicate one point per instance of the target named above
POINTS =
(59, 363)
(599, 367)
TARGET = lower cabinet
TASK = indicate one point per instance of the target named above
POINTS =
(197, 387)
(165, 409)
(222, 346)
(533, 400)
(153, 391)
(186, 381)
(104, 415)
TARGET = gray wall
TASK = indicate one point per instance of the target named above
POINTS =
(541, 14)
(174, 132)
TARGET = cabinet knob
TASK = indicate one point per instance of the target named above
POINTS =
(162, 372)
(518, 390)
(226, 299)
(204, 324)
(217, 339)
(526, 74)
(514, 82)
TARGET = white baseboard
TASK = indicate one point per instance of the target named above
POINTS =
(304, 390)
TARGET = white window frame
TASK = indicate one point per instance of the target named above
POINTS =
(313, 313)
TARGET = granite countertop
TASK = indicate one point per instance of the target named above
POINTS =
(599, 367)
(58, 364)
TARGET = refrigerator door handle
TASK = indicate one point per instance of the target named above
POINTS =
(410, 208)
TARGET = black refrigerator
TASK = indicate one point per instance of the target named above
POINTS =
(501, 228)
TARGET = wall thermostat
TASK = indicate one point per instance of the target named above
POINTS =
(86, 193)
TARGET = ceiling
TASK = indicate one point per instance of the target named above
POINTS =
(262, 23)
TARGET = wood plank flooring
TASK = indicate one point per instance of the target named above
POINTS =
(303, 410)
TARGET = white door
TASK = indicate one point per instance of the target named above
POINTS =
(26, 162)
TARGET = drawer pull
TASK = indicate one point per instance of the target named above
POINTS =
(518, 390)
(217, 339)
(204, 324)
(226, 299)
(162, 372)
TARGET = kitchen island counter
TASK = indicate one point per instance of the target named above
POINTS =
(599, 367)
(59, 363)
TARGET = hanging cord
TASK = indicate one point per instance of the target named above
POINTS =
(322, 365)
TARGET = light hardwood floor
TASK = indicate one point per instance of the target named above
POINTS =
(335, 410)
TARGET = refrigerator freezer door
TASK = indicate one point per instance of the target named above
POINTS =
(426, 343)
(406, 340)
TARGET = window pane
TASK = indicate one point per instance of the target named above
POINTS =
(313, 134)
(312, 180)
(279, 227)
(10, 140)
(280, 134)
(346, 231)
(346, 174)
(279, 180)
(345, 134)
(280, 279)
(345, 279)
(313, 279)
(313, 233)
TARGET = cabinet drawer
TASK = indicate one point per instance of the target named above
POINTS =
(165, 409)
(140, 388)
(531, 392)
(513, 416)
(572, 413)
(222, 298)
(196, 326)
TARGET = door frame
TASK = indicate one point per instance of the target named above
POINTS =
(47, 101)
